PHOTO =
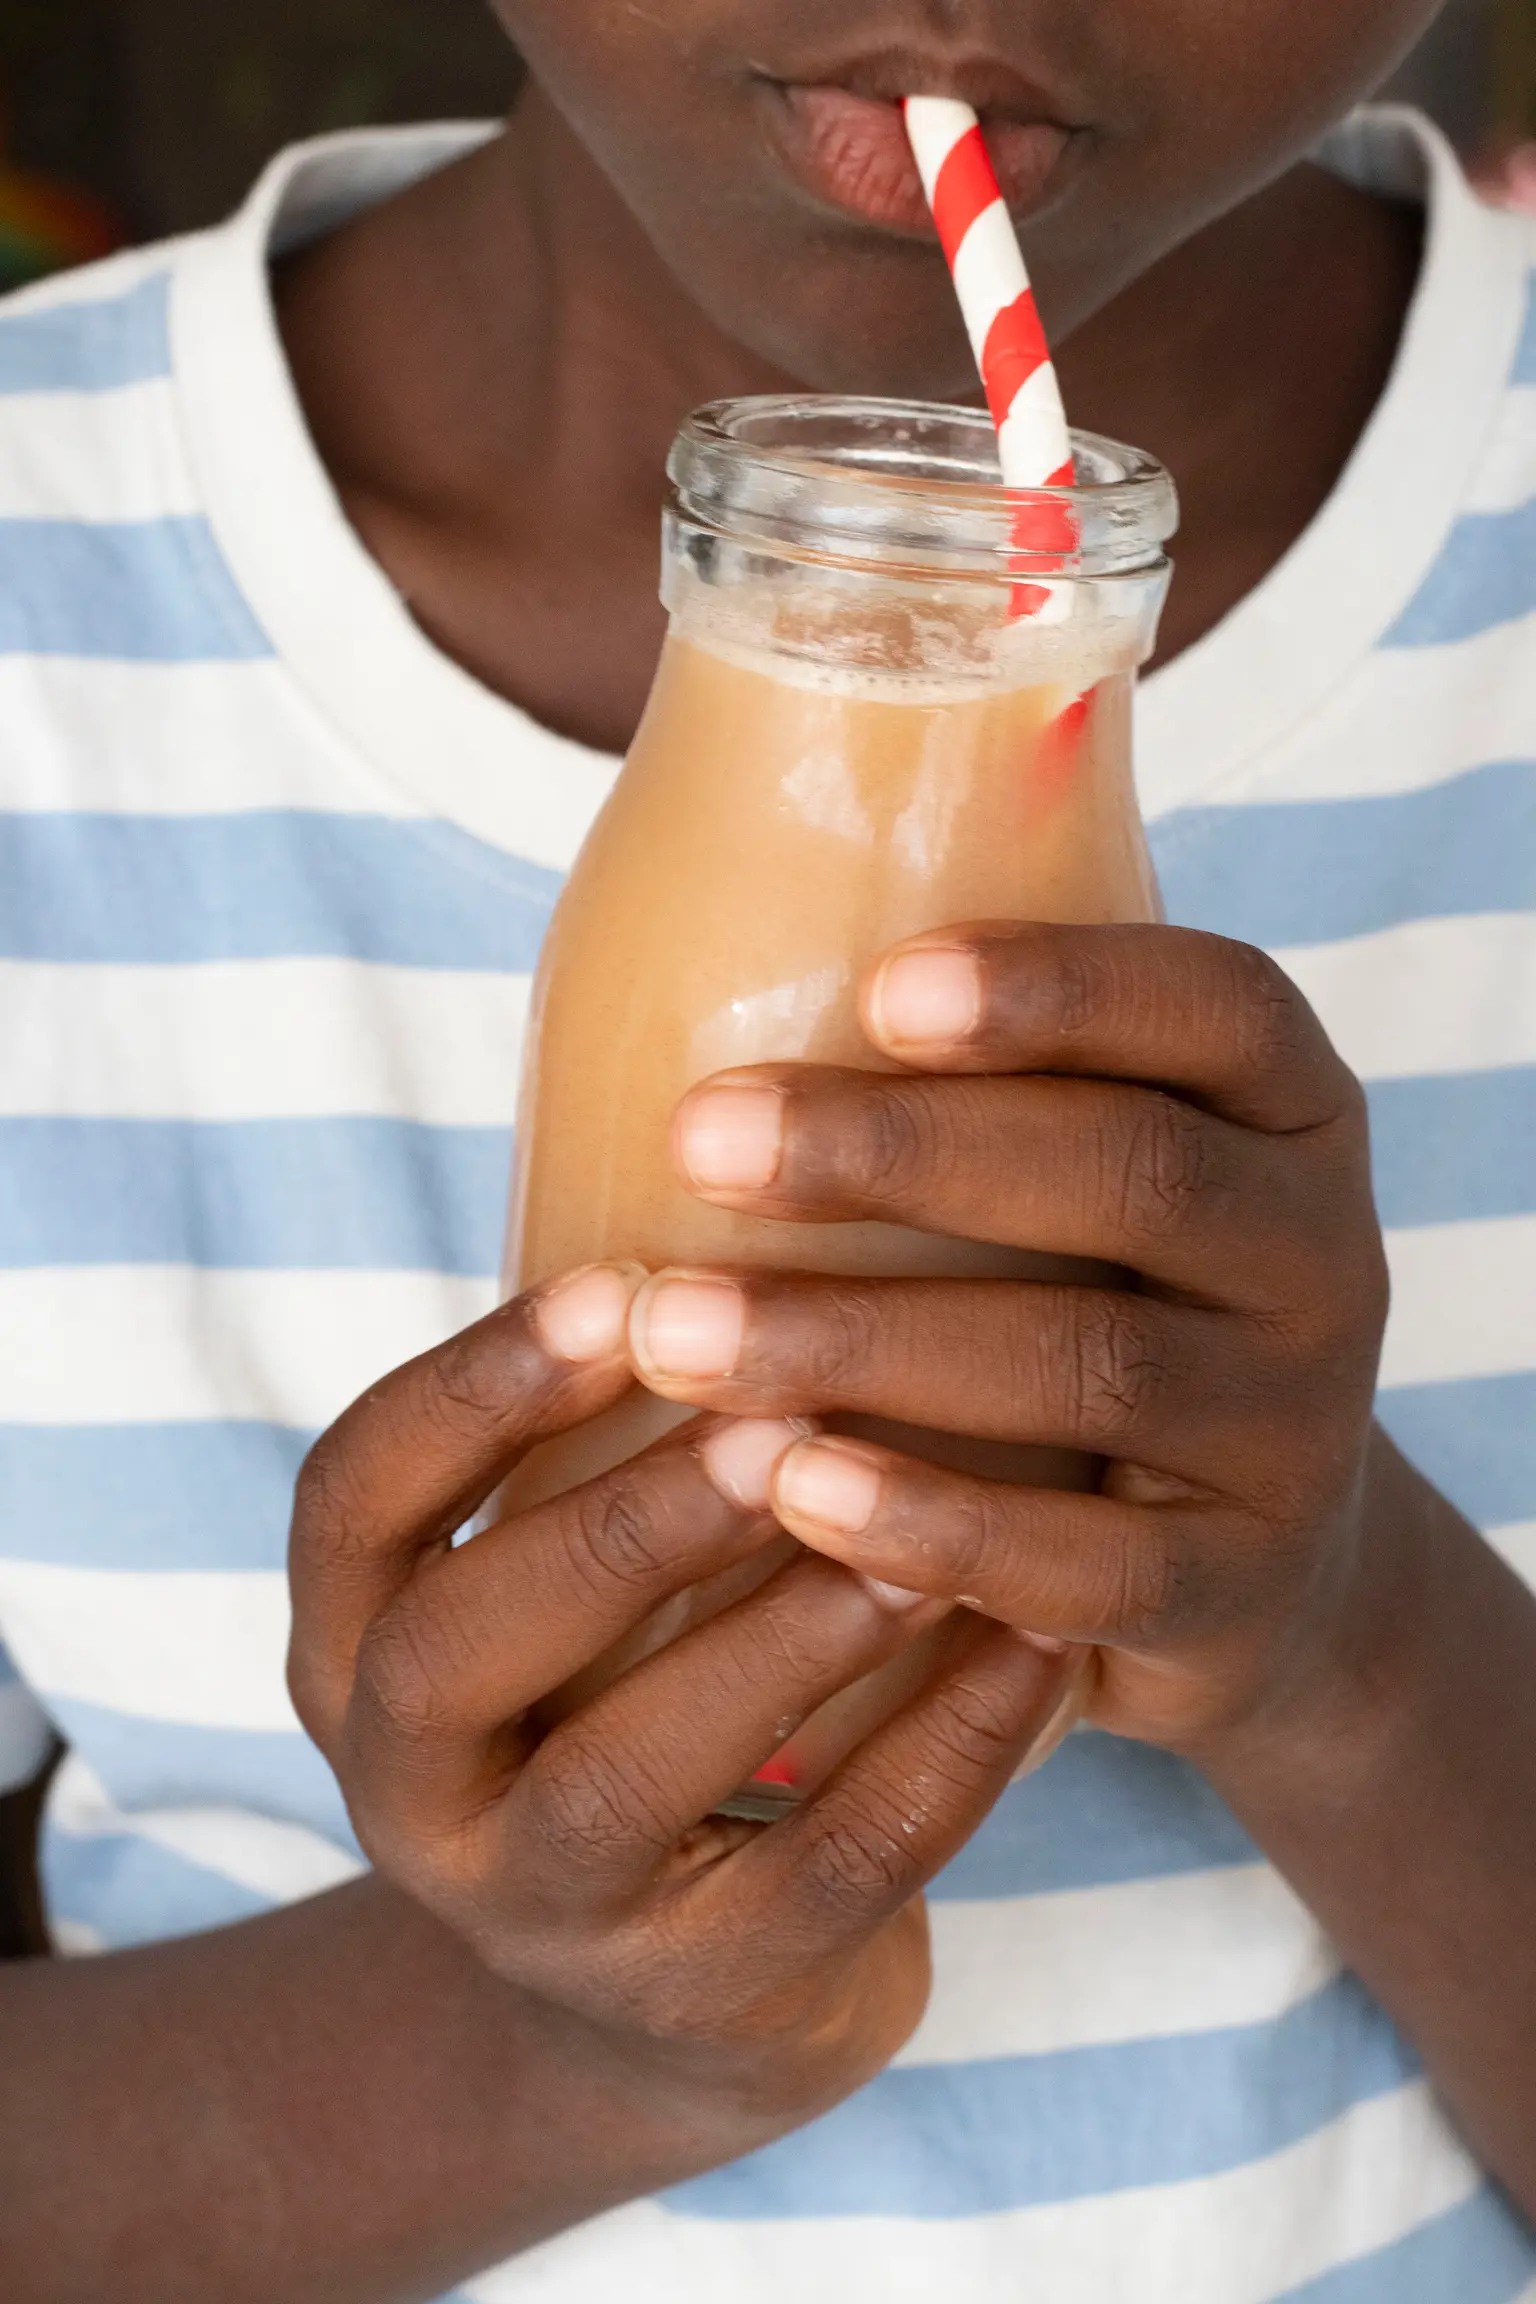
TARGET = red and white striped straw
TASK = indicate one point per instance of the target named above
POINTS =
(996, 300)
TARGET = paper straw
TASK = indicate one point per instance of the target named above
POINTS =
(996, 300)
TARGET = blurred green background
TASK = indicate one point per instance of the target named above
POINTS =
(126, 119)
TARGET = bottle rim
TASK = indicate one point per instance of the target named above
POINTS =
(909, 484)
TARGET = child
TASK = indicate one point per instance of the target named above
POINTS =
(326, 598)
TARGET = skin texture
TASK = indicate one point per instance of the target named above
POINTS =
(494, 365)
(1148, 162)
(1262, 1582)
(565, 1986)
(762, 1973)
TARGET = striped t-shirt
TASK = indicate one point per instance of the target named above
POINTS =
(273, 875)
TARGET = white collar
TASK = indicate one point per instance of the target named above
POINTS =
(458, 750)
(1289, 643)
(450, 744)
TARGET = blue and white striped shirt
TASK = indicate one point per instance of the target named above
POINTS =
(273, 875)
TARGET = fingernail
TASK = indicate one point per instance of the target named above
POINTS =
(820, 1481)
(688, 1327)
(893, 1596)
(582, 1317)
(731, 1139)
(1047, 1644)
(926, 998)
(740, 1457)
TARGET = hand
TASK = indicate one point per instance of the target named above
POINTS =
(1163, 1101)
(759, 1973)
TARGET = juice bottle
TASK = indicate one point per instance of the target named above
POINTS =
(853, 735)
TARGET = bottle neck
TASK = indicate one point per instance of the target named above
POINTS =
(875, 537)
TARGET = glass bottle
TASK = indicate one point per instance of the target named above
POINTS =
(861, 726)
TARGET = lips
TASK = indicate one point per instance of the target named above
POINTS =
(835, 122)
(850, 150)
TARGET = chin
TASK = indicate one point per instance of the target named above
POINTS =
(878, 324)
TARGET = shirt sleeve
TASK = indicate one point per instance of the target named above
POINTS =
(26, 1733)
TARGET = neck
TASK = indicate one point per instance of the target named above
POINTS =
(1249, 361)
(493, 367)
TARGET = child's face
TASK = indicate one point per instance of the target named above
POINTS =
(1150, 116)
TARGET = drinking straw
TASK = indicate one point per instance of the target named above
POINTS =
(996, 300)
(997, 304)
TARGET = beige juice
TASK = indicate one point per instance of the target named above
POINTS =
(768, 837)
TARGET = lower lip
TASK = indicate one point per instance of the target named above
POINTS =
(852, 153)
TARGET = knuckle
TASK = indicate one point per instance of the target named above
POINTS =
(406, 1673)
(1166, 1170)
(469, 1388)
(1142, 1596)
(588, 1804)
(790, 1648)
(840, 1339)
(971, 1733)
(615, 1534)
(895, 1142)
(326, 1501)
(858, 1860)
(1116, 1374)
(908, 1136)
(981, 1535)
(1270, 1018)
(1078, 984)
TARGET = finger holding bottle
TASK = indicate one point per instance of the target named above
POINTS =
(1165, 1106)
(415, 1658)
(780, 1966)
(457, 1676)
(587, 1861)
(386, 1488)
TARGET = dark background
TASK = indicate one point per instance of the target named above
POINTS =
(160, 112)
(164, 110)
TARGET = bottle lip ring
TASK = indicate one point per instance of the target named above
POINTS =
(907, 483)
